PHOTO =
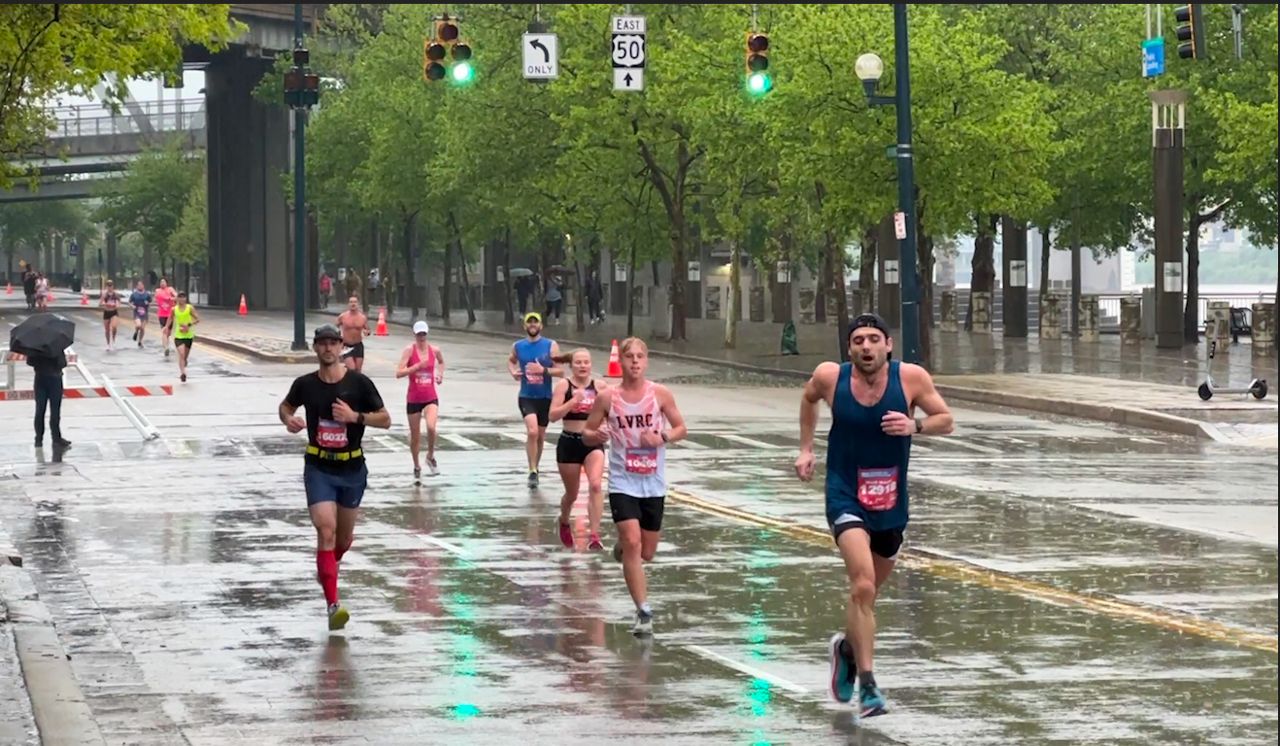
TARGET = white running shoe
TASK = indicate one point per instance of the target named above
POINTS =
(432, 469)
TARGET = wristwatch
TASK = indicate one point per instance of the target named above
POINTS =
(919, 427)
(664, 436)
(360, 420)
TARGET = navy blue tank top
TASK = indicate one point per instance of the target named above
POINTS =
(866, 469)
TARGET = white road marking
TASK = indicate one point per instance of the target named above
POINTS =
(748, 441)
(391, 444)
(443, 545)
(781, 683)
(458, 440)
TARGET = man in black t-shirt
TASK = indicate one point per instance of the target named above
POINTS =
(340, 403)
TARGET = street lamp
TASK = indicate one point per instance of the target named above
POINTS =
(301, 92)
(868, 68)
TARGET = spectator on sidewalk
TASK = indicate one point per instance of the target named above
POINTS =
(554, 300)
(595, 295)
(326, 288)
(29, 287)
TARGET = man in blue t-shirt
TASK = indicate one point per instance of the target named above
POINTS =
(533, 362)
(140, 299)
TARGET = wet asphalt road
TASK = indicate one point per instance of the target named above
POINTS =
(1064, 581)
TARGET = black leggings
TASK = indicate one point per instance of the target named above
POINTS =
(49, 392)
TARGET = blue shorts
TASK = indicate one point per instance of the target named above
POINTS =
(345, 488)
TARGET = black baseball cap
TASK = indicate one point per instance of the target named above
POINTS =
(872, 320)
(326, 331)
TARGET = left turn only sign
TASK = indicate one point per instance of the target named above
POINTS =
(541, 57)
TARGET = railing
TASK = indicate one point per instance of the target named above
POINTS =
(1109, 305)
(183, 115)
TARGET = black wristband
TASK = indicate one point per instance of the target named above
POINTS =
(919, 427)
(360, 419)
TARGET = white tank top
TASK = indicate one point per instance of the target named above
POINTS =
(634, 470)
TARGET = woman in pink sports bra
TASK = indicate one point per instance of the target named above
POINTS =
(424, 365)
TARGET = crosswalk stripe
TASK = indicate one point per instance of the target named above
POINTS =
(748, 441)
(391, 444)
(462, 442)
(179, 448)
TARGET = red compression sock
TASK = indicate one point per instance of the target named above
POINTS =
(327, 567)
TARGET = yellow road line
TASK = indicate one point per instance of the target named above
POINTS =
(963, 572)
(225, 355)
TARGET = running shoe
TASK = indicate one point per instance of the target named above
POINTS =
(338, 617)
(617, 552)
(166, 352)
(643, 626)
(871, 701)
(533, 480)
(594, 545)
(183, 377)
(566, 535)
(433, 470)
(417, 476)
(844, 671)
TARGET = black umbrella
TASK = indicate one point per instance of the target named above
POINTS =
(44, 334)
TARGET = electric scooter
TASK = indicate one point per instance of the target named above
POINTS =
(1257, 387)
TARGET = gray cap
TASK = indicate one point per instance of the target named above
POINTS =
(326, 331)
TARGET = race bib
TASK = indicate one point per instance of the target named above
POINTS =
(641, 460)
(331, 435)
(423, 378)
(878, 488)
(584, 406)
(533, 378)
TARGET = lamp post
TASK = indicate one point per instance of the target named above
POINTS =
(869, 68)
(301, 92)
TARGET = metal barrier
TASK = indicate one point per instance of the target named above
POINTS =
(184, 115)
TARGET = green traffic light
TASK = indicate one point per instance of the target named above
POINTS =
(462, 72)
(759, 83)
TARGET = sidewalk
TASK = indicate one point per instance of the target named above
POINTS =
(1139, 386)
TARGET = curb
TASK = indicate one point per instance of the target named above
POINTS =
(1129, 416)
(269, 357)
(61, 713)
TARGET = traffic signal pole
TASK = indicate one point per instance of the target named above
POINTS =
(299, 206)
(910, 288)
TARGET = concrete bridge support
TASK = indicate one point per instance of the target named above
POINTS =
(249, 148)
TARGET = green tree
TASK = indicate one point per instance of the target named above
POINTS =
(48, 49)
(152, 195)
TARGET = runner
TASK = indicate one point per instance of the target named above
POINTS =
(872, 401)
(340, 403)
(572, 401)
(532, 362)
(184, 318)
(422, 362)
(355, 327)
(140, 299)
(110, 305)
(637, 411)
(165, 298)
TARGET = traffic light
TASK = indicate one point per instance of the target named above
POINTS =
(756, 58)
(1190, 30)
(432, 66)
(449, 34)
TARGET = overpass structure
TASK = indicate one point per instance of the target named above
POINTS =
(248, 144)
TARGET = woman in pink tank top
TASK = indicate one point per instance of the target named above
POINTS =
(424, 365)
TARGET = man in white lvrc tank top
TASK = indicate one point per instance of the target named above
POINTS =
(638, 419)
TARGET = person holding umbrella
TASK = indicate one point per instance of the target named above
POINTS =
(43, 339)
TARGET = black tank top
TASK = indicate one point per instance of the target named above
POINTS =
(583, 410)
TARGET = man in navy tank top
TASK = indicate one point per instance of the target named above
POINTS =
(872, 401)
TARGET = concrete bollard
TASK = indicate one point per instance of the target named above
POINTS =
(981, 312)
(1264, 329)
(948, 322)
(1088, 311)
(1219, 322)
(1131, 320)
(1050, 318)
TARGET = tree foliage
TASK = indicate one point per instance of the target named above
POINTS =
(48, 49)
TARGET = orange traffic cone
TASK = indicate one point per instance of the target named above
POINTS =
(84, 298)
(615, 364)
(244, 308)
(381, 331)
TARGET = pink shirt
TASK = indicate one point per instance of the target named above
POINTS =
(165, 300)
(422, 382)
